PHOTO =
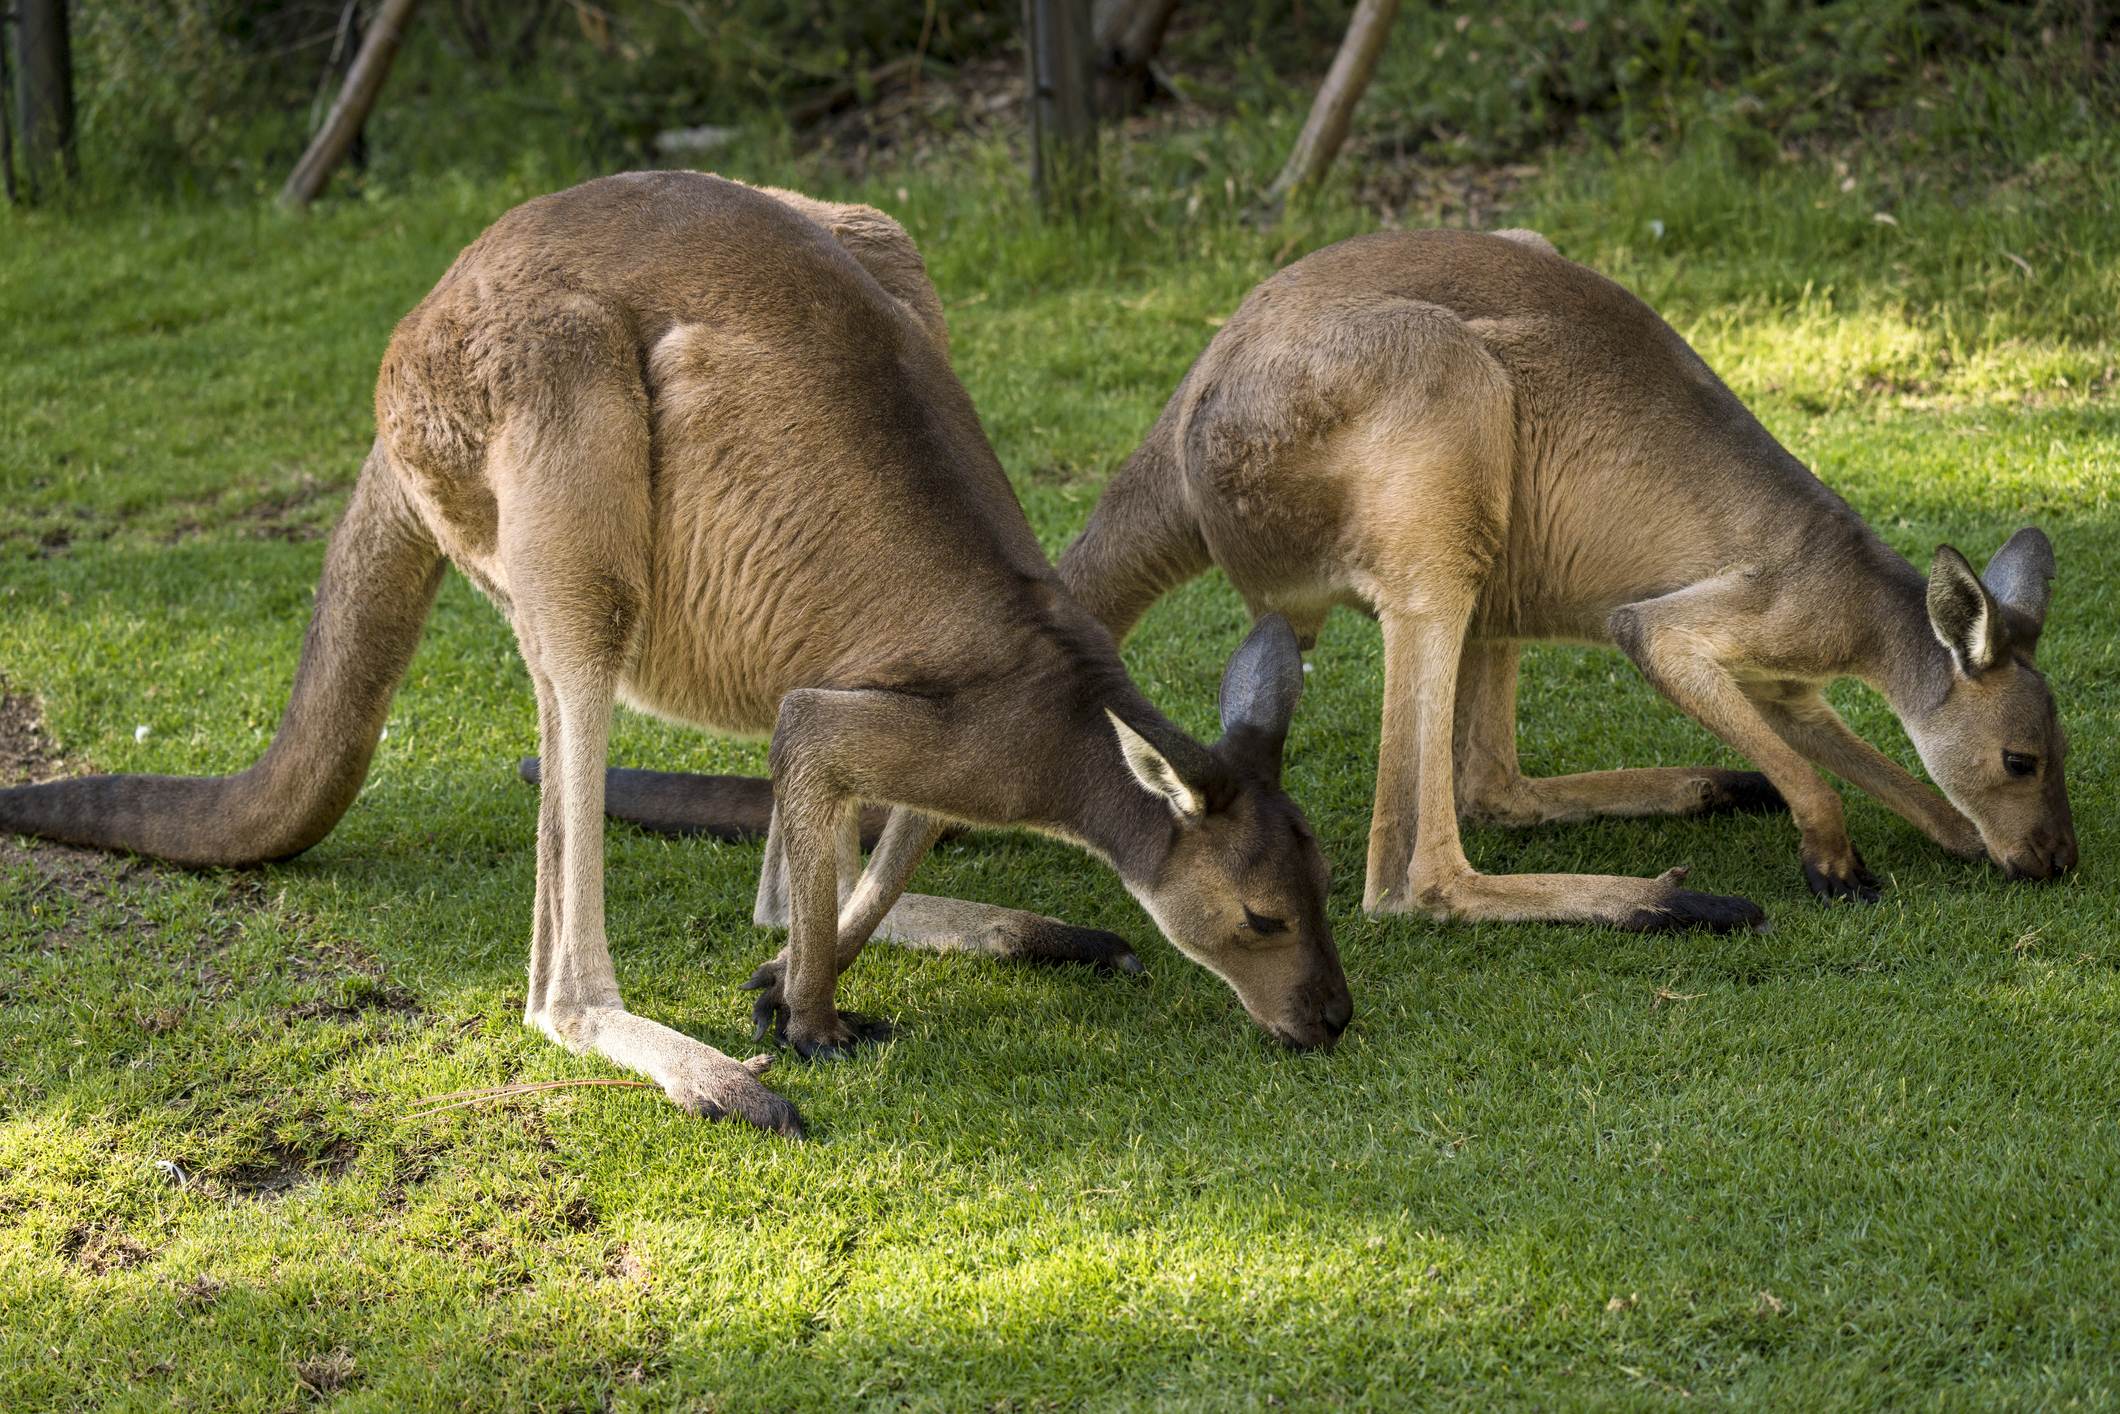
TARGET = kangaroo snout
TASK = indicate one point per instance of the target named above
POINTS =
(2046, 859)
(1330, 1008)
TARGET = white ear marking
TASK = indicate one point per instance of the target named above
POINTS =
(1155, 774)
(1967, 653)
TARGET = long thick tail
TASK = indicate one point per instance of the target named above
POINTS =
(380, 577)
(736, 808)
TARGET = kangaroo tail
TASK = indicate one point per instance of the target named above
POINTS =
(380, 577)
(734, 808)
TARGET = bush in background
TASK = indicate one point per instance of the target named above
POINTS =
(220, 96)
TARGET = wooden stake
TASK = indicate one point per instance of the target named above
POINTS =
(363, 82)
(1344, 86)
(1063, 134)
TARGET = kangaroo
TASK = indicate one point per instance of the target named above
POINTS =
(680, 431)
(1479, 443)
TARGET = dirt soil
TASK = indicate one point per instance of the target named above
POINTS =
(26, 756)
(88, 876)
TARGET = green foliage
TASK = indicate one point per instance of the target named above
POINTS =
(1503, 80)
(220, 96)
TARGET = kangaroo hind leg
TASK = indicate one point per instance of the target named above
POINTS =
(1421, 656)
(1493, 791)
(573, 542)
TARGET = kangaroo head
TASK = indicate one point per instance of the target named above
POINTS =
(1241, 887)
(1993, 740)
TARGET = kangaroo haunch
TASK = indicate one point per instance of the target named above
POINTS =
(1481, 443)
(678, 430)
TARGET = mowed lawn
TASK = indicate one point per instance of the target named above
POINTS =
(1866, 1159)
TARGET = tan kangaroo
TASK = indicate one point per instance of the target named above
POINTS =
(702, 444)
(1479, 443)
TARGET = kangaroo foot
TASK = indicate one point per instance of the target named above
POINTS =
(1638, 905)
(710, 1092)
(1845, 876)
(836, 1037)
(1739, 792)
(1670, 907)
(696, 1077)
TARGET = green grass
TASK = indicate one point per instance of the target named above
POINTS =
(1866, 1160)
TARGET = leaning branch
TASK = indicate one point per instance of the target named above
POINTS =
(363, 82)
(1344, 86)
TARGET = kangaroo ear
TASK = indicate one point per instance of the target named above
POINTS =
(1964, 616)
(1156, 774)
(1260, 689)
(2020, 577)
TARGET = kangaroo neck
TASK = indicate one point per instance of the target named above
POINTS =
(1906, 662)
(1082, 790)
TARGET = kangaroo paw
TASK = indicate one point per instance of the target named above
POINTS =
(769, 1010)
(1844, 878)
(839, 1037)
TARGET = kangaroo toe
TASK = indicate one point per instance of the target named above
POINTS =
(1742, 792)
(1677, 908)
(1845, 877)
(726, 1091)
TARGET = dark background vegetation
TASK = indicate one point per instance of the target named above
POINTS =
(220, 96)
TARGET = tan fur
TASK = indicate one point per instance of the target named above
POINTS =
(704, 447)
(1481, 443)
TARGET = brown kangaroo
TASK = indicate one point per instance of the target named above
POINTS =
(681, 431)
(1479, 442)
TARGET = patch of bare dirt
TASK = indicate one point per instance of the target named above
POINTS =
(26, 754)
(327, 1373)
(1406, 192)
(285, 1170)
(356, 996)
(81, 895)
(201, 1291)
(898, 113)
(98, 1252)
(302, 508)
(86, 898)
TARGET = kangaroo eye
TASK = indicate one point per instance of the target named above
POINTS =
(1263, 925)
(2018, 764)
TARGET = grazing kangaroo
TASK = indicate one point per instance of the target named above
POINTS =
(682, 432)
(1480, 443)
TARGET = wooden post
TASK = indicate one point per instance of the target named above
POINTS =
(1344, 86)
(1059, 61)
(363, 82)
(44, 95)
(7, 97)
